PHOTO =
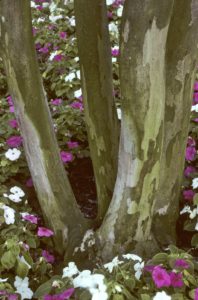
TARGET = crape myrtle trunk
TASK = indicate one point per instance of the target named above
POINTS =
(54, 192)
(100, 111)
(127, 224)
(181, 57)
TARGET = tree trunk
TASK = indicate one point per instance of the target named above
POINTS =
(53, 188)
(127, 224)
(100, 111)
(181, 54)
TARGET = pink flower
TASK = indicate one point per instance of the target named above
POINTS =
(72, 145)
(30, 218)
(43, 231)
(115, 52)
(13, 123)
(57, 101)
(149, 268)
(10, 100)
(14, 141)
(58, 57)
(190, 153)
(66, 156)
(26, 247)
(160, 277)
(196, 86)
(39, 7)
(195, 120)
(191, 141)
(181, 263)
(11, 109)
(196, 294)
(29, 182)
(48, 257)
(189, 170)
(62, 34)
(62, 296)
(44, 50)
(109, 14)
(34, 31)
(188, 194)
(77, 104)
(195, 97)
(176, 279)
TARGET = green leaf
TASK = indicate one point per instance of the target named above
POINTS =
(145, 297)
(130, 283)
(21, 269)
(177, 296)
(194, 241)
(118, 297)
(195, 199)
(43, 289)
(8, 260)
(160, 258)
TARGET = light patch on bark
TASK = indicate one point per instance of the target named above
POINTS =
(133, 172)
(3, 19)
(126, 31)
(163, 210)
(154, 58)
(102, 170)
(132, 207)
(183, 68)
(144, 206)
(194, 11)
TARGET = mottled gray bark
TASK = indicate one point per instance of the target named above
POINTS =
(181, 57)
(100, 111)
(127, 224)
(53, 189)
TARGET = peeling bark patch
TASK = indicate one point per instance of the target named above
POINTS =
(163, 210)
(3, 19)
(194, 11)
(132, 207)
(126, 31)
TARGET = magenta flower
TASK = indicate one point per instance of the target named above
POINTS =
(66, 156)
(11, 109)
(160, 277)
(115, 52)
(189, 170)
(176, 279)
(149, 268)
(56, 101)
(44, 50)
(13, 123)
(72, 145)
(62, 34)
(195, 120)
(39, 7)
(10, 100)
(43, 231)
(30, 218)
(196, 86)
(77, 104)
(48, 257)
(190, 153)
(181, 263)
(29, 182)
(109, 14)
(191, 141)
(58, 57)
(188, 194)
(196, 294)
(34, 31)
(14, 141)
(195, 97)
(62, 296)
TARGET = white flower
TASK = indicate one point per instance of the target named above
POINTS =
(72, 21)
(22, 288)
(76, 58)
(161, 296)
(114, 263)
(196, 226)
(33, 4)
(186, 209)
(138, 267)
(194, 108)
(93, 282)
(119, 113)
(9, 214)
(52, 7)
(45, 4)
(70, 77)
(193, 213)
(119, 11)
(40, 20)
(3, 279)
(132, 256)
(195, 183)
(70, 271)
(109, 2)
(53, 54)
(78, 93)
(113, 59)
(78, 74)
(17, 191)
(113, 28)
(13, 154)
(55, 18)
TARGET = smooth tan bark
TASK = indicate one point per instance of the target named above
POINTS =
(100, 112)
(53, 188)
